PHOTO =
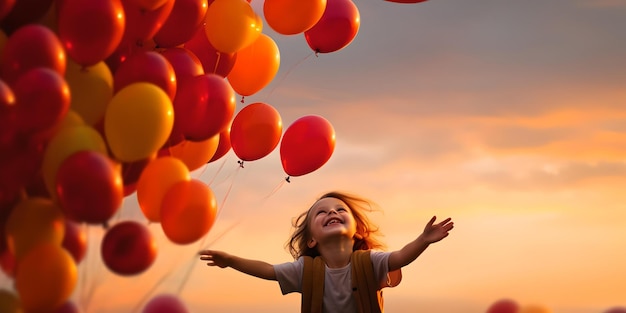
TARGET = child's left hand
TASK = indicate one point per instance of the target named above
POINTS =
(435, 232)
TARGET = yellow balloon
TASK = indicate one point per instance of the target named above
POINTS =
(91, 88)
(231, 25)
(255, 66)
(34, 221)
(45, 278)
(155, 180)
(195, 153)
(138, 121)
(9, 303)
(65, 142)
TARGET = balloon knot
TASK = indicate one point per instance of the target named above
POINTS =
(287, 179)
(317, 51)
(105, 225)
(242, 97)
(240, 163)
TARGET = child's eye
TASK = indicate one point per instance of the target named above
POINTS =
(320, 212)
(341, 210)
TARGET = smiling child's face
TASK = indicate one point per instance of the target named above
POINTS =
(331, 217)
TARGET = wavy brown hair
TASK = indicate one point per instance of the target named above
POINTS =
(366, 236)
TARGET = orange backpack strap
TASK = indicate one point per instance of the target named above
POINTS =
(365, 287)
(313, 274)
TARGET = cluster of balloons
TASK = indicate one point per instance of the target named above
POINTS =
(507, 305)
(100, 99)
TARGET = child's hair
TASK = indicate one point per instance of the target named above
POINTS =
(366, 232)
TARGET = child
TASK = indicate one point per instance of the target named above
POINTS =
(332, 229)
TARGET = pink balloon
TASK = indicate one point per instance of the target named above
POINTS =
(503, 306)
(181, 24)
(89, 187)
(146, 66)
(128, 248)
(213, 61)
(203, 107)
(43, 100)
(29, 47)
(337, 27)
(165, 303)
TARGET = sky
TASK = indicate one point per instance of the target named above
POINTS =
(504, 115)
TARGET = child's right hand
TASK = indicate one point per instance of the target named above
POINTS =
(215, 258)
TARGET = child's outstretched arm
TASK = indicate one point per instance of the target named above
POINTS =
(222, 259)
(432, 233)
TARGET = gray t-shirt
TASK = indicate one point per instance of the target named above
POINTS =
(337, 281)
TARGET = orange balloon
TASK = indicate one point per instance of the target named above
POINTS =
(255, 131)
(195, 153)
(188, 211)
(155, 180)
(34, 221)
(255, 67)
(45, 278)
(231, 25)
(290, 17)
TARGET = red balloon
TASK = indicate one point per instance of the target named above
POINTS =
(74, 240)
(125, 49)
(20, 163)
(131, 171)
(307, 144)
(181, 24)
(186, 64)
(8, 127)
(5, 7)
(503, 306)
(336, 28)
(616, 310)
(128, 248)
(255, 131)
(213, 61)
(89, 187)
(67, 307)
(223, 145)
(29, 47)
(204, 106)
(146, 66)
(23, 12)
(165, 303)
(91, 30)
(43, 100)
(142, 24)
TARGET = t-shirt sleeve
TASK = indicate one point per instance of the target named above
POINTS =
(289, 276)
(380, 261)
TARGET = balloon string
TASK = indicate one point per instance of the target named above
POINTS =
(280, 185)
(217, 62)
(287, 73)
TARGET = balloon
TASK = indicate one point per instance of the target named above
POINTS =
(188, 211)
(336, 29)
(138, 121)
(91, 30)
(231, 25)
(186, 17)
(307, 144)
(148, 5)
(126, 49)
(75, 240)
(8, 127)
(185, 64)
(213, 61)
(29, 47)
(204, 106)
(44, 286)
(616, 310)
(89, 187)
(194, 153)
(131, 171)
(146, 66)
(24, 12)
(255, 131)
(165, 303)
(503, 306)
(5, 7)
(255, 67)
(66, 142)
(128, 248)
(7, 264)
(223, 146)
(155, 180)
(92, 90)
(32, 222)
(143, 24)
(67, 307)
(534, 309)
(20, 162)
(43, 99)
(289, 17)
(9, 303)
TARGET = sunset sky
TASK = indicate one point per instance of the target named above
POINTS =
(508, 116)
